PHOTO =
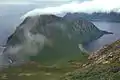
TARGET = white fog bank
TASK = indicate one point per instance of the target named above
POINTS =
(77, 6)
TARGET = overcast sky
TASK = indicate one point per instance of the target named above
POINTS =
(26, 2)
(57, 6)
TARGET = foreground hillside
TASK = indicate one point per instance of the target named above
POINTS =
(101, 65)
(104, 64)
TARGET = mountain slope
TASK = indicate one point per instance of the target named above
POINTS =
(48, 38)
(104, 64)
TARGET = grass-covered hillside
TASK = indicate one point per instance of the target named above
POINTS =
(37, 71)
(103, 64)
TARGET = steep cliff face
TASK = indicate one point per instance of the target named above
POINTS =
(49, 37)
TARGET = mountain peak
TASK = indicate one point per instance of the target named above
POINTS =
(45, 35)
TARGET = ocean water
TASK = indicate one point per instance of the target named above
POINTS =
(105, 39)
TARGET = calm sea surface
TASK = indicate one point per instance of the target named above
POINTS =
(106, 39)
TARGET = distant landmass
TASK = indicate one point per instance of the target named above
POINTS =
(96, 16)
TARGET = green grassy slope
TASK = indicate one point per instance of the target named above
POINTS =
(37, 71)
(102, 65)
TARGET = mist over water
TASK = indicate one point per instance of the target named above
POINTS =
(106, 39)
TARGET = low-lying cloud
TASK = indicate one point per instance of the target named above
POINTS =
(77, 6)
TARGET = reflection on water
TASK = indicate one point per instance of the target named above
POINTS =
(106, 39)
